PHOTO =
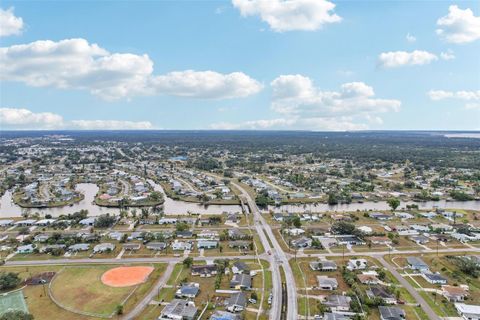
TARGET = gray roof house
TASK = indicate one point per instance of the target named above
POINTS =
(241, 281)
(239, 267)
(337, 302)
(179, 309)
(103, 247)
(236, 302)
(79, 247)
(416, 263)
(326, 283)
(156, 245)
(323, 265)
(391, 313)
(207, 270)
(188, 290)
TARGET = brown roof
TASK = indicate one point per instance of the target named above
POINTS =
(452, 290)
(366, 278)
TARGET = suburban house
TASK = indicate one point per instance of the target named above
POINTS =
(157, 246)
(335, 316)
(179, 309)
(181, 245)
(326, 283)
(382, 293)
(241, 281)
(380, 216)
(236, 302)
(455, 294)
(416, 263)
(188, 290)
(240, 267)
(294, 232)
(368, 279)
(103, 247)
(349, 240)
(207, 244)
(204, 271)
(391, 313)
(184, 234)
(357, 264)
(468, 311)
(323, 265)
(79, 247)
(132, 246)
(434, 278)
(337, 303)
(224, 315)
(26, 248)
(381, 240)
(419, 239)
(239, 244)
(302, 242)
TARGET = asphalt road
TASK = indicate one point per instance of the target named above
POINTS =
(277, 258)
(425, 306)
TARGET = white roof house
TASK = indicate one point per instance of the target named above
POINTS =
(468, 311)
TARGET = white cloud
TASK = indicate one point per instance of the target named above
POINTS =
(206, 84)
(76, 64)
(110, 125)
(24, 118)
(410, 38)
(394, 59)
(288, 15)
(9, 23)
(448, 55)
(461, 95)
(459, 26)
(473, 97)
(296, 123)
(296, 94)
(303, 106)
(19, 118)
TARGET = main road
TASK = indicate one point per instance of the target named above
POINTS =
(277, 258)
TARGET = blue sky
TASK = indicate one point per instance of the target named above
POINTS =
(305, 64)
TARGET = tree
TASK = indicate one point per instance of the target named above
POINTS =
(181, 226)
(332, 198)
(393, 203)
(104, 221)
(342, 227)
(16, 315)
(297, 222)
(119, 309)
(9, 280)
(188, 262)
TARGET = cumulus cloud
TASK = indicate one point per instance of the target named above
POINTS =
(410, 38)
(296, 94)
(206, 84)
(461, 95)
(77, 64)
(288, 15)
(472, 97)
(19, 118)
(302, 106)
(24, 118)
(110, 125)
(448, 55)
(395, 59)
(9, 23)
(459, 26)
(296, 123)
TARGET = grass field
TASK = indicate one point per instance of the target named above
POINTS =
(81, 289)
(13, 301)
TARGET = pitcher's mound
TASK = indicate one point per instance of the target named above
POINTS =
(126, 276)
